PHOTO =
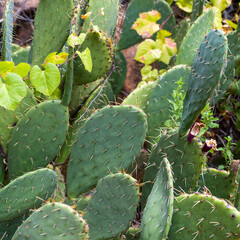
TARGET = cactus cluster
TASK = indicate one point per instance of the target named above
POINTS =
(70, 162)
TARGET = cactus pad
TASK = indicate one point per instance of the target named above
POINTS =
(112, 206)
(37, 138)
(205, 74)
(25, 192)
(52, 24)
(158, 211)
(109, 141)
(53, 221)
(202, 216)
(101, 53)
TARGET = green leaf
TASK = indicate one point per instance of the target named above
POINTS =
(147, 52)
(148, 74)
(74, 40)
(221, 4)
(146, 25)
(6, 67)
(185, 5)
(86, 59)
(22, 69)
(45, 81)
(166, 45)
(55, 58)
(12, 91)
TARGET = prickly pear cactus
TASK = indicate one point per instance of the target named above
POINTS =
(157, 214)
(104, 14)
(53, 221)
(101, 97)
(185, 158)
(202, 216)
(112, 206)
(37, 138)
(194, 36)
(10, 118)
(52, 25)
(26, 192)
(101, 52)
(109, 141)
(205, 74)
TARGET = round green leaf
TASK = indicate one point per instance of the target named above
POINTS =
(12, 91)
(22, 69)
(45, 81)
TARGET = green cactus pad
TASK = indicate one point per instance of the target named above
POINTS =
(37, 138)
(80, 94)
(202, 216)
(129, 37)
(109, 141)
(139, 97)
(101, 53)
(104, 14)
(53, 221)
(9, 118)
(119, 75)
(185, 158)
(157, 214)
(52, 24)
(98, 99)
(227, 79)
(180, 32)
(197, 9)
(158, 107)
(221, 184)
(2, 171)
(79, 204)
(21, 55)
(194, 36)
(205, 74)
(7, 31)
(25, 192)
(8, 228)
(112, 206)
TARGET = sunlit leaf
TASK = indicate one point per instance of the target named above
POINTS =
(221, 4)
(231, 24)
(166, 45)
(22, 69)
(74, 40)
(146, 24)
(45, 81)
(12, 91)
(55, 58)
(185, 5)
(148, 74)
(86, 59)
(147, 52)
(6, 67)
(56, 95)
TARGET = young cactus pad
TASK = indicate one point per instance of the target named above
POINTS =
(109, 141)
(201, 216)
(37, 138)
(206, 72)
(25, 192)
(158, 211)
(112, 206)
(53, 221)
